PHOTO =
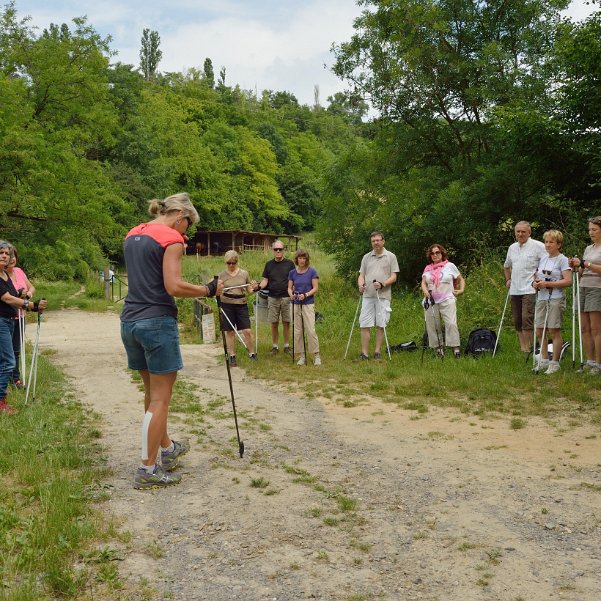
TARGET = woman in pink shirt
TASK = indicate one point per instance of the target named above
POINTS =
(25, 290)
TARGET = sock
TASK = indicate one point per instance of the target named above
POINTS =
(286, 346)
(168, 449)
(149, 469)
(274, 346)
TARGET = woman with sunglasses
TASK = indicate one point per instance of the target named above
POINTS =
(590, 296)
(441, 285)
(238, 286)
(552, 276)
(153, 254)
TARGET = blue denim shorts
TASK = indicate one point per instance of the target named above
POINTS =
(152, 344)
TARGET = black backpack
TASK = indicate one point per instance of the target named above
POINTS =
(481, 341)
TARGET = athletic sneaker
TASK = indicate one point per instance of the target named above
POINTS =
(233, 361)
(553, 367)
(585, 368)
(377, 356)
(301, 361)
(252, 356)
(288, 350)
(170, 460)
(157, 479)
(362, 357)
(18, 384)
(594, 370)
(317, 361)
(274, 350)
(541, 365)
(6, 408)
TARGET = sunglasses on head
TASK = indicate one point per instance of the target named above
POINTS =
(595, 220)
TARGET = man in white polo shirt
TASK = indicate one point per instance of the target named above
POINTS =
(377, 274)
(523, 257)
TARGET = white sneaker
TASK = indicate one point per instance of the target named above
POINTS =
(594, 370)
(317, 361)
(542, 365)
(301, 361)
(553, 367)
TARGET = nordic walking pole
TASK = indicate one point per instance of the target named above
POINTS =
(229, 374)
(534, 332)
(23, 368)
(257, 323)
(501, 324)
(573, 322)
(353, 326)
(579, 320)
(33, 369)
(426, 306)
(383, 320)
(292, 311)
(234, 328)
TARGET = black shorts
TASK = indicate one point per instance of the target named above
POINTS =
(238, 315)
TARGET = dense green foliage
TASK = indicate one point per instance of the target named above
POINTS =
(489, 113)
(84, 144)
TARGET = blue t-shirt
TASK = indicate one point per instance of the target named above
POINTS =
(302, 283)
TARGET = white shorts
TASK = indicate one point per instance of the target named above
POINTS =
(374, 312)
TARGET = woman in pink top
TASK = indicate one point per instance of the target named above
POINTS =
(441, 284)
(25, 290)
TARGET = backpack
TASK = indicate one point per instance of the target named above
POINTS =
(481, 341)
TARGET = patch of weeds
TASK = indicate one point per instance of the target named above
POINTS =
(419, 535)
(517, 423)
(494, 447)
(463, 547)
(494, 556)
(109, 575)
(595, 487)
(271, 491)
(155, 550)
(350, 402)
(418, 406)
(259, 482)
(315, 512)
(236, 480)
(346, 503)
(544, 511)
(440, 435)
(331, 520)
(322, 555)
(294, 566)
(484, 580)
(363, 547)
(264, 427)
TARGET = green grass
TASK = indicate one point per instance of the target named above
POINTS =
(51, 477)
(486, 386)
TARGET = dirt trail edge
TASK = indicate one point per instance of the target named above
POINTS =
(338, 503)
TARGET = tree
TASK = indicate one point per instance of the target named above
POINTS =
(209, 73)
(150, 54)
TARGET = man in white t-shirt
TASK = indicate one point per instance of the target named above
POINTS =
(521, 263)
(377, 274)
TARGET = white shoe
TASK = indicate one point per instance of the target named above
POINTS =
(301, 361)
(553, 367)
(317, 361)
(594, 370)
(542, 365)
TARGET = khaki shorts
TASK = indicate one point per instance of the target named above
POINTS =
(590, 299)
(556, 307)
(522, 309)
(278, 307)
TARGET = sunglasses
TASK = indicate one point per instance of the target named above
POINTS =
(232, 262)
(278, 250)
(435, 252)
(547, 271)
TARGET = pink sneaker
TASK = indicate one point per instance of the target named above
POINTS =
(6, 408)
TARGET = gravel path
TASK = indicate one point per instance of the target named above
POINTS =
(337, 503)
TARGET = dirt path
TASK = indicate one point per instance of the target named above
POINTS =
(337, 503)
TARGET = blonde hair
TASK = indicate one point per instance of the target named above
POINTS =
(554, 235)
(175, 202)
(231, 255)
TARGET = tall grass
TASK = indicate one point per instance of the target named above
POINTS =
(503, 385)
(51, 472)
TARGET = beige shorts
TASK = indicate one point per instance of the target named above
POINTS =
(278, 308)
(590, 299)
(556, 308)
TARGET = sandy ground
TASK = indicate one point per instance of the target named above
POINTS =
(338, 503)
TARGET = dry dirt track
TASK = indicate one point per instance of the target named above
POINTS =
(448, 507)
